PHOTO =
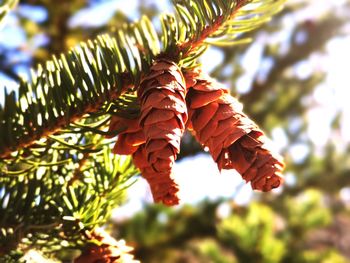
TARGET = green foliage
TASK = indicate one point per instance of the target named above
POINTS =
(58, 179)
(310, 207)
(55, 207)
(253, 234)
(329, 256)
(256, 233)
(212, 252)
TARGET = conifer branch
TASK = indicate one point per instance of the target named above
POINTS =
(99, 71)
(52, 129)
(72, 116)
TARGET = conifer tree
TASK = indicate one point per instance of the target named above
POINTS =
(133, 93)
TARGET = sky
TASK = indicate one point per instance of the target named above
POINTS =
(198, 177)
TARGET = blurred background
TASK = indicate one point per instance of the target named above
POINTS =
(293, 80)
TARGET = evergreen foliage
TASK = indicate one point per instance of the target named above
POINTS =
(58, 178)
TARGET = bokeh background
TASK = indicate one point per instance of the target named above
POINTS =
(293, 80)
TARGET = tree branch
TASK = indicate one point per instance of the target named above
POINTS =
(73, 116)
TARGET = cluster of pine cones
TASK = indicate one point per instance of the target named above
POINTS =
(172, 101)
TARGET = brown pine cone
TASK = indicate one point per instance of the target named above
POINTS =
(163, 116)
(132, 141)
(234, 141)
(106, 250)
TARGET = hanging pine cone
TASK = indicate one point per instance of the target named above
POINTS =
(108, 250)
(234, 141)
(154, 138)
(132, 141)
(163, 116)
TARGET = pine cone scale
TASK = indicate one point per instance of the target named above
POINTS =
(203, 99)
(200, 120)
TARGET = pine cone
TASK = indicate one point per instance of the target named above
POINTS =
(154, 138)
(163, 117)
(234, 141)
(132, 141)
(109, 250)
